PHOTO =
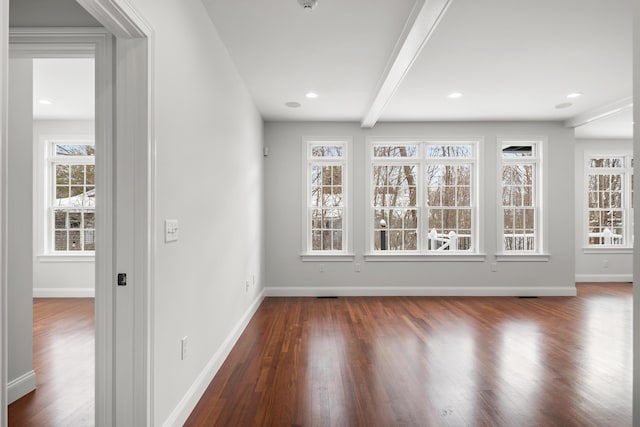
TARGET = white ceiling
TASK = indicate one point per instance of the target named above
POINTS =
(68, 84)
(513, 60)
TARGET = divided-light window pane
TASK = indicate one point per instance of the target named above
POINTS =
(395, 201)
(450, 151)
(326, 204)
(424, 203)
(326, 151)
(73, 198)
(606, 162)
(607, 194)
(74, 150)
(449, 196)
(520, 231)
(395, 151)
(510, 151)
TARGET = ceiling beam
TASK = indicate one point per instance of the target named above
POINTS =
(422, 21)
(600, 113)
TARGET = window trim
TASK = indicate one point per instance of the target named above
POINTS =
(541, 212)
(477, 197)
(346, 254)
(627, 172)
(43, 189)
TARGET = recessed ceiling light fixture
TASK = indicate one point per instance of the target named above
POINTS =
(293, 104)
(45, 102)
(311, 95)
(574, 95)
(563, 105)
(455, 95)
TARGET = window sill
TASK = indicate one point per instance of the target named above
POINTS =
(523, 257)
(607, 250)
(328, 257)
(451, 257)
(67, 258)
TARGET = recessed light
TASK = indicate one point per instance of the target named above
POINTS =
(293, 104)
(455, 95)
(563, 105)
(311, 95)
(574, 95)
(45, 102)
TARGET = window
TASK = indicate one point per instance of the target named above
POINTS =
(70, 178)
(521, 172)
(609, 200)
(327, 208)
(424, 197)
(395, 197)
(449, 177)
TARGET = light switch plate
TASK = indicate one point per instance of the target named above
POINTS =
(170, 230)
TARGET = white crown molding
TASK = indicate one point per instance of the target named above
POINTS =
(600, 113)
(422, 22)
(119, 17)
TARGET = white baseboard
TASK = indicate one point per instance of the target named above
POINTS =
(483, 291)
(64, 292)
(21, 386)
(184, 408)
(599, 278)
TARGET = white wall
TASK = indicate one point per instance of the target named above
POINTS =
(287, 274)
(20, 250)
(636, 255)
(606, 266)
(58, 276)
(209, 177)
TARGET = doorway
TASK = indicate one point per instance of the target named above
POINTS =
(123, 391)
(60, 138)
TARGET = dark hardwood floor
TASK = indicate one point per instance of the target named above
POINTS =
(430, 362)
(63, 359)
(380, 362)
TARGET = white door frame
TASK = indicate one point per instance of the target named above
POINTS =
(4, 124)
(124, 315)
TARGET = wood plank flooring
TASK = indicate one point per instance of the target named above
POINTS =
(430, 362)
(63, 359)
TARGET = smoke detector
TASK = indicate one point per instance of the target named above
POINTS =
(308, 4)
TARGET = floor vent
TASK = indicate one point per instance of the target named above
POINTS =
(328, 297)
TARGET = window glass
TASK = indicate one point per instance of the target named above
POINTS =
(609, 200)
(72, 207)
(326, 206)
(423, 204)
(520, 184)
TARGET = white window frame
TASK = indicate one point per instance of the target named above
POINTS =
(539, 160)
(43, 192)
(346, 254)
(422, 253)
(627, 203)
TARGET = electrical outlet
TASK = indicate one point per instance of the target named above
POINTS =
(321, 268)
(605, 263)
(358, 267)
(183, 348)
(246, 286)
(494, 266)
